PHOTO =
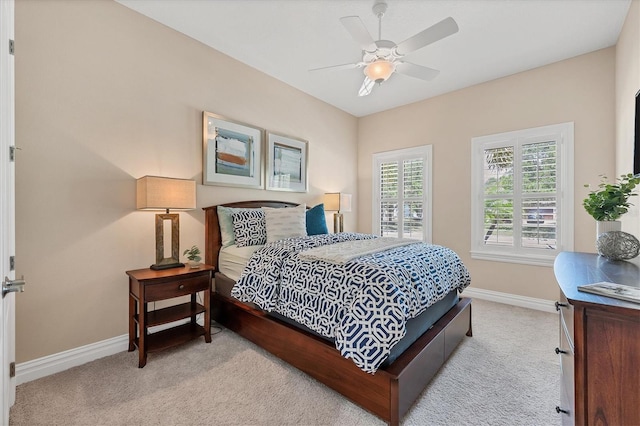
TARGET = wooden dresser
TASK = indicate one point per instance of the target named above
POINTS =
(599, 345)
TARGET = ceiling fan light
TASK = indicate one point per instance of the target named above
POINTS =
(379, 70)
(366, 87)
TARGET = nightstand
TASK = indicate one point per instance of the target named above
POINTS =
(147, 285)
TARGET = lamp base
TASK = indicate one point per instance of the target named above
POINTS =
(161, 266)
(337, 223)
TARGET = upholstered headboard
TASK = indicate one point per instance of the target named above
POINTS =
(212, 237)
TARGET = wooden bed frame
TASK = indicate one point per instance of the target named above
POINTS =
(389, 393)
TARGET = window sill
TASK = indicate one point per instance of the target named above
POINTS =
(525, 259)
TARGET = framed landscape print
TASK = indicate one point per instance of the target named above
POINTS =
(232, 153)
(286, 163)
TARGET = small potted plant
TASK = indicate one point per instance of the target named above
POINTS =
(610, 201)
(193, 254)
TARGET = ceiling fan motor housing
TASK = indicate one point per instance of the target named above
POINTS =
(379, 8)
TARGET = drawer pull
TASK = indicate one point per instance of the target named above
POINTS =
(560, 305)
(181, 286)
(560, 410)
(561, 351)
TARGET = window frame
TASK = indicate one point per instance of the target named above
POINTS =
(423, 152)
(563, 135)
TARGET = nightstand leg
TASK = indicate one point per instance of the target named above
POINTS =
(207, 316)
(142, 329)
(193, 306)
(132, 323)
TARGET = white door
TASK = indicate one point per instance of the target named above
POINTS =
(7, 208)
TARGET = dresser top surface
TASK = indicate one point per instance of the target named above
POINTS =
(573, 269)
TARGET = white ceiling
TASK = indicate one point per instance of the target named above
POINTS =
(286, 38)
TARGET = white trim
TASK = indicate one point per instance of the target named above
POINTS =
(45, 366)
(51, 364)
(523, 259)
(7, 205)
(511, 299)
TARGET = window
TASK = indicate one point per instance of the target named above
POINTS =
(402, 193)
(522, 195)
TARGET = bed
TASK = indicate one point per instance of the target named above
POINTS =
(395, 385)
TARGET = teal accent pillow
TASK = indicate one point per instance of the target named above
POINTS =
(316, 221)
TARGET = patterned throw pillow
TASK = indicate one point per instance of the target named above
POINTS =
(285, 223)
(249, 228)
(225, 219)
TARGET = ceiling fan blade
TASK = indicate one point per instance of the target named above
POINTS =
(339, 67)
(436, 32)
(416, 71)
(359, 33)
(367, 86)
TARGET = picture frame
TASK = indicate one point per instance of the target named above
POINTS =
(231, 152)
(286, 163)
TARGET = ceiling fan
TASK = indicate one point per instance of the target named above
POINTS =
(381, 58)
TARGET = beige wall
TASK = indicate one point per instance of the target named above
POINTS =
(581, 90)
(627, 84)
(105, 95)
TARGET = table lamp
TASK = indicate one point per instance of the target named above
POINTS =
(337, 202)
(162, 193)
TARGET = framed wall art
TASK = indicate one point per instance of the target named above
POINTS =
(287, 159)
(232, 152)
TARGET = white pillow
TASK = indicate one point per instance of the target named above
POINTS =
(285, 223)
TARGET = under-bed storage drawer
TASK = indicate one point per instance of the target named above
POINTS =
(442, 342)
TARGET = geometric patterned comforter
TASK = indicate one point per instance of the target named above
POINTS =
(363, 304)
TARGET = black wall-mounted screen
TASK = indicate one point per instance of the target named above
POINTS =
(636, 153)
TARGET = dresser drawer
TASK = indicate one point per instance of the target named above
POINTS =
(565, 352)
(566, 318)
(565, 409)
(175, 288)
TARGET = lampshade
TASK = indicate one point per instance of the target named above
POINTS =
(337, 201)
(379, 70)
(161, 193)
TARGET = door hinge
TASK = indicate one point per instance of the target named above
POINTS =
(12, 153)
(12, 369)
(12, 47)
(12, 263)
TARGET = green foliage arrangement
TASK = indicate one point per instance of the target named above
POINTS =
(611, 200)
(193, 254)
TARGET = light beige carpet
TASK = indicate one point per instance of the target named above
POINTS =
(506, 374)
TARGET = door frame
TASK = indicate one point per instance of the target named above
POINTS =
(7, 206)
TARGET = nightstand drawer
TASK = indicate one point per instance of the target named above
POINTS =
(175, 288)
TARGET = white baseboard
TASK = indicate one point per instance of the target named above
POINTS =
(511, 299)
(51, 364)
